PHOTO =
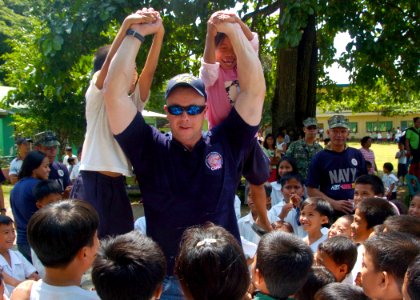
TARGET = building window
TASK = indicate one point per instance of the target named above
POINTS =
(379, 126)
(353, 127)
(406, 124)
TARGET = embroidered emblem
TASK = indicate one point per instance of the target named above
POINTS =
(60, 173)
(214, 161)
(354, 162)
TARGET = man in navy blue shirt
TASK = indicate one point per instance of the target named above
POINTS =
(47, 143)
(2, 179)
(333, 171)
(186, 178)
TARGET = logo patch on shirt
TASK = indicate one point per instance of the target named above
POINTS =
(60, 173)
(354, 162)
(214, 161)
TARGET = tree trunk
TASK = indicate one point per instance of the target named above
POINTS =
(295, 93)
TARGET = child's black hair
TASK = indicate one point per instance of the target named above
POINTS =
(320, 205)
(5, 220)
(388, 166)
(292, 163)
(392, 252)
(129, 266)
(289, 176)
(341, 250)
(374, 181)
(413, 279)
(342, 291)
(403, 223)
(284, 261)
(211, 264)
(375, 211)
(318, 277)
(58, 231)
(44, 188)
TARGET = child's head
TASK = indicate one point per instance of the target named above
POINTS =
(367, 186)
(286, 165)
(411, 285)
(225, 55)
(281, 225)
(291, 184)
(386, 259)
(414, 208)
(370, 212)
(388, 168)
(71, 161)
(318, 277)
(208, 255)
(314, 213)
(129, 266)
(250, 198)
(269, 141)
(282, 264)
(341, 226)
(401, 146)
(338, 254)
(369, 166)
(7, 233)
(64, 231)
(403, 223)
(338, 290)
(46, 192)
(99, 57)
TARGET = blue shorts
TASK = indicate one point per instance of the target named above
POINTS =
(109, 197)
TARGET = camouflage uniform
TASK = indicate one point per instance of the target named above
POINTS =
(303, 154)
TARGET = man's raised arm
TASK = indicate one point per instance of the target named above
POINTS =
(119, 108)
(249, 103)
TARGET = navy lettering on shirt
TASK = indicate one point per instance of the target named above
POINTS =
(334, 173)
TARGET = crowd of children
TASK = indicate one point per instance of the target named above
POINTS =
(373, 252)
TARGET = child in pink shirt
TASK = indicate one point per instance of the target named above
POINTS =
(220, 77)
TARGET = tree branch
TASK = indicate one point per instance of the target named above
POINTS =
(269, 9)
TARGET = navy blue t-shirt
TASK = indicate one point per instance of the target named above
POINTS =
(60, 174)
(334, 173)
(23, 206)
(183, 188)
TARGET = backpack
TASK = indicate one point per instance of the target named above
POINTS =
(403, 138)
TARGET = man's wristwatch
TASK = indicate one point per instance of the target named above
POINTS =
(137, 35)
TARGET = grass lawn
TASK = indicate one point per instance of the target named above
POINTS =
(383, 153)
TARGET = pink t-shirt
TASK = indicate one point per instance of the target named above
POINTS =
(369, 156)
(222, 87)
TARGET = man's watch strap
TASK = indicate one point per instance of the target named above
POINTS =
(135, 34)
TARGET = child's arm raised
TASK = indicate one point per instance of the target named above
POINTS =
(210, 47)
(138, 17)
(148, 71)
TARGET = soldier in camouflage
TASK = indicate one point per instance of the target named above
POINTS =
(303, 150)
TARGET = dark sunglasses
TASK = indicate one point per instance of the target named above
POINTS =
(191, 110)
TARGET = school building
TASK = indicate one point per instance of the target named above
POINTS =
(367, 123)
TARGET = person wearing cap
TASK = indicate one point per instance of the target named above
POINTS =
(47, 143)
(23, 148)
(333, 171)
(103, 163)
(69, 153)
(303, 150)
(186, 178)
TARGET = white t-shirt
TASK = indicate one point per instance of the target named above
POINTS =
(276, 194)
(42, 291)
(388, 180)
(358, 265)
(245, 227)
(314, 245)
(20, 268)
(101, 152)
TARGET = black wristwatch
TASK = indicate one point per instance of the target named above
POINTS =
(135, 34)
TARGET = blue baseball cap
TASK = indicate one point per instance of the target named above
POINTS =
(187, 80)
